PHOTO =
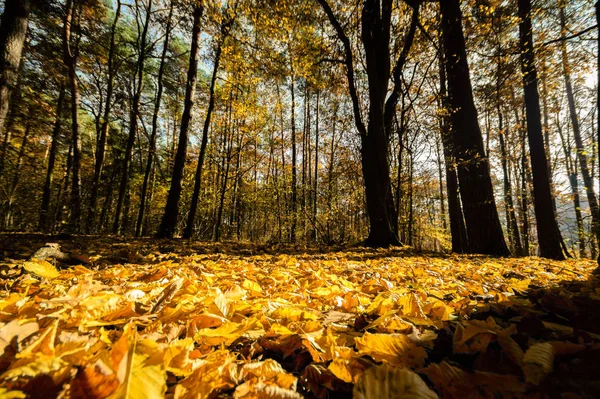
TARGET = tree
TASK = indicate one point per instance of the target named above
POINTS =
(376, 20)
(481, 216)
(153, 134)
(134, 118)
(101, 145)
(13, 30)
(71, 53)
(169, 219)
(547, 227)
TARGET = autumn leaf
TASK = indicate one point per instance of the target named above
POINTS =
(41, 268)
(395, 349)
(392, 383)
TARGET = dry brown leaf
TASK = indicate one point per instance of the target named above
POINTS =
(538, 362)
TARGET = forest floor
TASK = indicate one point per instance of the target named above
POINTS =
(150, 318)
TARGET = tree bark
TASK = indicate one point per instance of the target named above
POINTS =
(481, 215)
(13, 31)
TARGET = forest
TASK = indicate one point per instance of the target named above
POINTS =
(299, 199)
(471, 130)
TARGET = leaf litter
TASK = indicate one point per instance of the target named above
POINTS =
(154, 318)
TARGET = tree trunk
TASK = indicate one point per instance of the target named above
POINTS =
(460, 243)
(572, 175)
(144, 202)
(17, 176)
(316, 171)
(597, 7)
(189, 228)
(13, 30)
(294, 167)
(588, 181)
(481, 215)
(118, 226)
(101, 145)
(169, 220)
(44, 208)
(70, 59)
(376, 19)
(511, 218)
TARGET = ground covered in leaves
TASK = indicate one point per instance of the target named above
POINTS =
(150, 318)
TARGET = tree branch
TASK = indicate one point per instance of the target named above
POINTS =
(349, 61)
(562, 39)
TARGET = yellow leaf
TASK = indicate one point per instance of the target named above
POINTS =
(41, 268)
(395, 349)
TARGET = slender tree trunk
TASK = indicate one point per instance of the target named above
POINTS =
(524, 196)
(169, 220)
(70, 59)
(13, 30)
(144, 202)
(316, 171)
(597, 6)
(511, 218)
(118, 226)
(45, 206)
(189, 228)
(101, 145)
(549, 238)
(572, 174)
(588, 181)
(440, 162)
(294, 167)
(17, 176)
(481, 216)
(223, 191)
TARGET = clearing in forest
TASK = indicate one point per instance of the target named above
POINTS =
(154, 318)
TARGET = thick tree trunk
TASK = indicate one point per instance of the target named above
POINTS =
(144, 202)
(13, 30)
(169, 220)
(118, 226)
(376, 19)
(45, 206)
(458, 231)
(101, 145)
(481, 216)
